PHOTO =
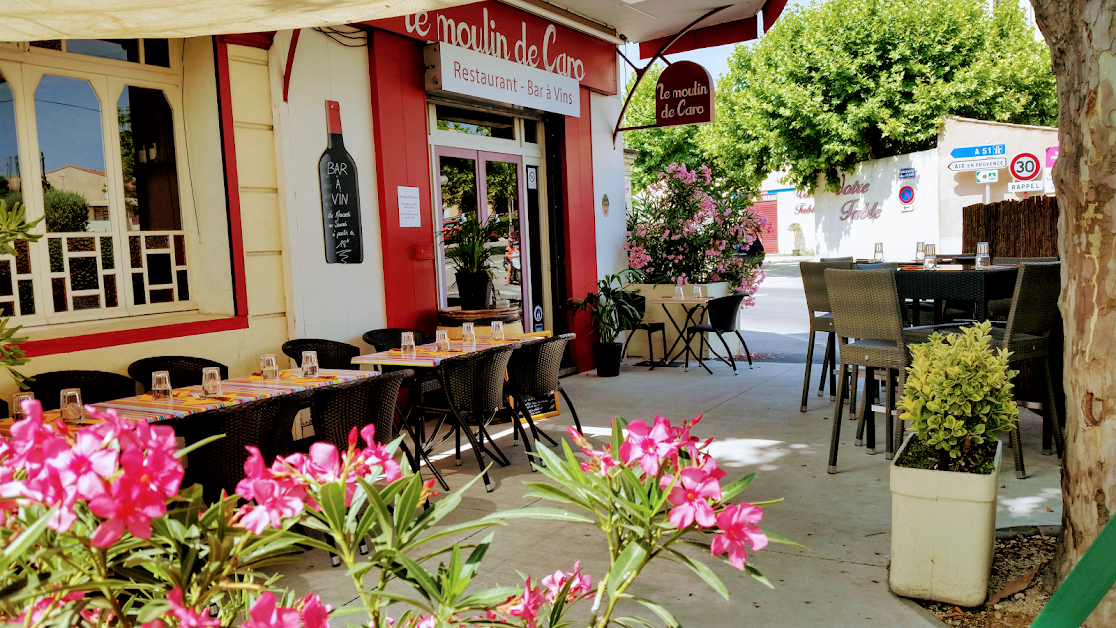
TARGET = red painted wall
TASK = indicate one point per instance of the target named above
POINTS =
(579, 225)
(402, 158)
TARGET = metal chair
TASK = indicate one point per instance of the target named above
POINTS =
(533, 375)
(722, 314)
(639, 302)
(96, 386)
(331, 354)
(1026, 334)
(471, 390)
(821, 320)
(183, 370)
(392, 338)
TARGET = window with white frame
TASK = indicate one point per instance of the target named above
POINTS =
(91, 139)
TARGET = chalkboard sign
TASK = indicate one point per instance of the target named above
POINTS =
(340, 197)
(543, 407)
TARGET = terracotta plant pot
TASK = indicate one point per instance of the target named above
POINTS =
(607, 358)
(473, 289)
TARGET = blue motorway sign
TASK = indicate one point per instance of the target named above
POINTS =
(964, 152)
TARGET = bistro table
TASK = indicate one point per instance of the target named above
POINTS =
(956, 282)
(692, 306)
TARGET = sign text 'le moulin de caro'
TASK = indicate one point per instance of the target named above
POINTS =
(683, 95)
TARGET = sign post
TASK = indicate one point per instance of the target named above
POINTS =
(987, 177)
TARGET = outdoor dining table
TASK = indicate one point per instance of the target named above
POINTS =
(962, 283)
(692, 306)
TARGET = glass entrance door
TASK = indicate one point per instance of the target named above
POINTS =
(489, 188)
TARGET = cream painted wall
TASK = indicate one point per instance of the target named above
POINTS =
(608, 178)
(897, 227)
(239, 349)
(796, 208)
(334, 301)
(959, 189)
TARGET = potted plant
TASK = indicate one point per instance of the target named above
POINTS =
(943, 481)
(612, 312)
(469, 255)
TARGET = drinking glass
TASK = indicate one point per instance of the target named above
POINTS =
(468, 336)
(17, 405)
(211, 381)
(877, 256)
(930, 259)
(678, 293)
(497, 330)
(160, 386)
(268, 368)
(697, 291)
(407, 345)
(982, 257)
(920, 251)
(309, 363)
(441, 340)
(70, 404)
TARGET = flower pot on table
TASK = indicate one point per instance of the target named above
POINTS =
(943, 528)
(607, 358)
(473, 289)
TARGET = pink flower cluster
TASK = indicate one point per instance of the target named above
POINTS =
(692, 483)
(123, 471)
(638, 257)
(265, 613)
(280, 491)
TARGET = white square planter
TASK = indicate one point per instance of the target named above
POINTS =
(943, 529)
(655, 314)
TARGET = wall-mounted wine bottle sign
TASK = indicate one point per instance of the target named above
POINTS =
(340, 199)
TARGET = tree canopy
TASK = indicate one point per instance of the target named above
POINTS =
(843, 81)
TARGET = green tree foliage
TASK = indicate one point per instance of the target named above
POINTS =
(66, 212)
(843, 81)
(658, 148)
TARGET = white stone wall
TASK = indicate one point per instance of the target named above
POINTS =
(608, 178)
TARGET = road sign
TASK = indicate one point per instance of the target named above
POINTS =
(1026, 186)
(978, 164)
(987, 176)
(906, 173)
(990, 150)
(1025, 167)
(906, 194)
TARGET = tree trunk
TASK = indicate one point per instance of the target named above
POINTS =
(1081, 35)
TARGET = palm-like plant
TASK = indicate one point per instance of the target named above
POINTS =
(13, 227)
(610, 307)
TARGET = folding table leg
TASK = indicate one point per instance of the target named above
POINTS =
(835, 435)
(747, 354)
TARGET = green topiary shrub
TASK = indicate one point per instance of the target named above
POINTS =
(958, 399)
(66, 212)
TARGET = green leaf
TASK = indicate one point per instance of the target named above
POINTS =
(540, 513)
(333, 505)
(627, 564)
(16, 549)
(702, 570)
(782, 540)
(753, 572)
(735, 487)
(659, 610)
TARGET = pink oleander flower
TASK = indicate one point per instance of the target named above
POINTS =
(314, 613)
(648, 445)
(377, 455)
(525, 606)
(690, 497)
(598, 460)
(580, 584)
(266, 614)
(131, 506)
(737, 533)
(273, 504)
(85, 465)
(187, 617)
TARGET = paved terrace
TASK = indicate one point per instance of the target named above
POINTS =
(844, 519)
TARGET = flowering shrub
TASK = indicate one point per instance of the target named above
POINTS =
(95, 531)
(680, 232)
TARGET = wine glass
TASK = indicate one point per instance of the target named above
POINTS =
(160, 386)
(697, 291)
(468, 337)
(441, 340)
(407, 345)
(17, 413)
(679, 294)
(497, 331)
(211, 381)
(309, 363)
(982, 257)
(70, 404)
(877, 255)
(268, 368)
(930, 260)
(920, 252)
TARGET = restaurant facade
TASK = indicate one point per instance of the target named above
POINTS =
(218, 215)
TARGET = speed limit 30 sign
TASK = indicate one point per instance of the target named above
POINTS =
(1025, 167)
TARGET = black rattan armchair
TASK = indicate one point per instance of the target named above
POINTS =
(336, 410)
(183, 370)
(722, 314)
(331, 354)
(533, 375)
(96, 386)
(821, 320)
(391, 338)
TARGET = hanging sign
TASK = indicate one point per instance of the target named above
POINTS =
(683, 95)
(476, 74)
(1025, 167)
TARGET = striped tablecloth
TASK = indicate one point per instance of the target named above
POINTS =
(427, 356)
(235, 391)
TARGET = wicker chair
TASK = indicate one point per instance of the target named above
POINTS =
(96, 386)
(331, 354)
(639, 302)
(722, 314)
(533, 375)
(821, 320)
(1026, 334)
(471, 391)
(392, 338)
(184, 370)
(869, 328)
(876, 266)
(338, 409)
(998, 309)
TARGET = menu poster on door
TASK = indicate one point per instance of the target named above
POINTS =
(409, 208)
